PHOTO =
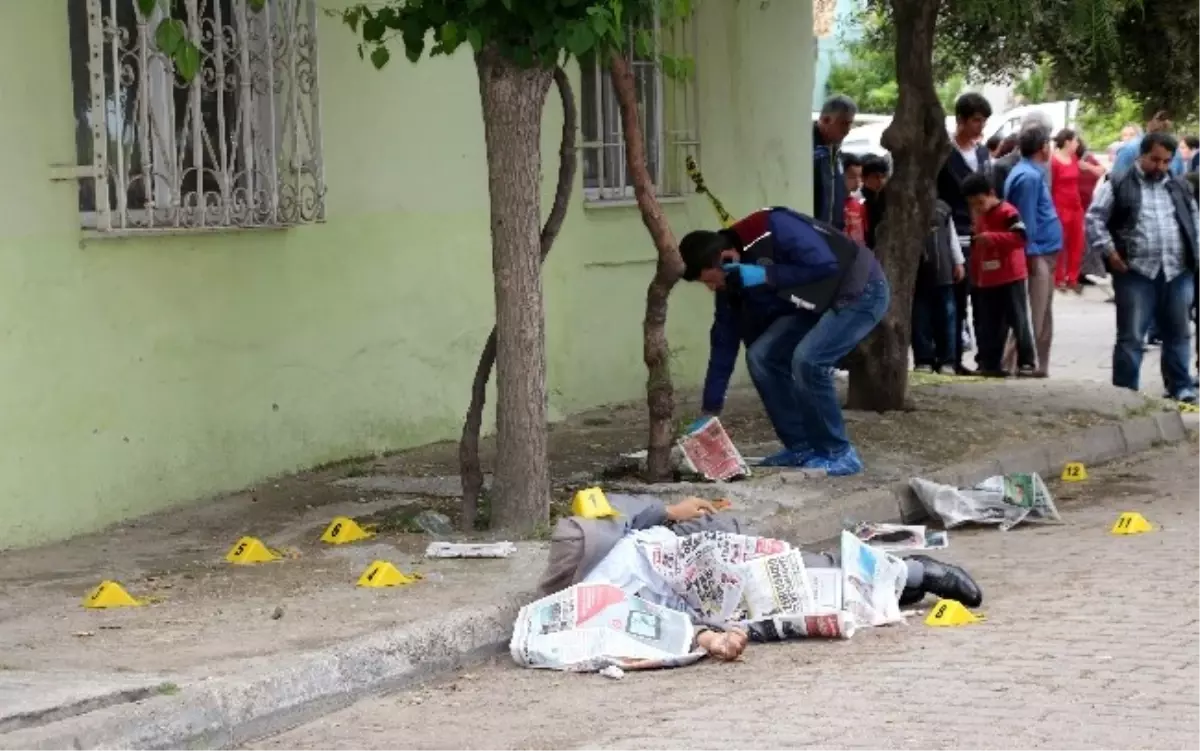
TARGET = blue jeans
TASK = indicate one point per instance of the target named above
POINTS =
(1141, 300)
(934, 326)
(792, 364)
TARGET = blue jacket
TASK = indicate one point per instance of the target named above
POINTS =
(1128, 154)
(801, 256)
(829, 182)
(1026, 189)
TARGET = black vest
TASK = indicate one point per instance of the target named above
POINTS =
(815, 297)
(1127, 208)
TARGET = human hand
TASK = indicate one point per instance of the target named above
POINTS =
(744, 275)
(1116, 263)
(723, 645)
(689, 509)
(959, 273)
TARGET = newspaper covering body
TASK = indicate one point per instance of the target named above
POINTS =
(777, 584)
(1003, 500)
(836, 624)
(873, 580)
(704, 568)
(587, 627)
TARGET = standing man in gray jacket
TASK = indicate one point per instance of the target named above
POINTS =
(829, 184)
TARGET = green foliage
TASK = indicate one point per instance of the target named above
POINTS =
(867, 74)
(1101, 122)
(1088, 48)
(1036, 85)
(528, 32)
(171, 36)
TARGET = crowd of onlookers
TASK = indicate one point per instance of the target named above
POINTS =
(1021, 217)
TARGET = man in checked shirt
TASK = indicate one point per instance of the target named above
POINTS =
(1144, 224)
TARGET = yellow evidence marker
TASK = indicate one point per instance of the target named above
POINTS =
(1074, 472)
(384, 574)
(591, 503)
(951, 613)
(343, 529)
(251, 550)
(109, 594)
(1131, 523)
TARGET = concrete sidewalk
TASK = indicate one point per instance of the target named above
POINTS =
(229, 653)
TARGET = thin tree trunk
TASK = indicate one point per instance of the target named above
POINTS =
(660, 394)
(918, 144)
(513, 99)
(468, 445)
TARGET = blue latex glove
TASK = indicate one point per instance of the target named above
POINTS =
(748, 275)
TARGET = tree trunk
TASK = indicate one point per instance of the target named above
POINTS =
(660, 395)
(513, 99)
(918, 144)
(468, 446)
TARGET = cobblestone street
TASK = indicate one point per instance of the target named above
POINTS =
(1090, 642)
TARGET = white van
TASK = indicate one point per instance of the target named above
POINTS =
(866, 138)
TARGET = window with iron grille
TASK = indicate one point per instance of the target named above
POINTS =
(667, 111)
(237, 146)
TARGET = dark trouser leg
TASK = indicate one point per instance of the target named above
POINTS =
(946, 325)
(991, 326)
(1019, 318)
(1174, 298)
(922, 326)
(1135, 300)
(769, 360)
(960, 318)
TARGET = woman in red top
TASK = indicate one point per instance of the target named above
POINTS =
(1064, 186)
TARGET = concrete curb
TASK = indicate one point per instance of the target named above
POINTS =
(229, 711)
(226, 712)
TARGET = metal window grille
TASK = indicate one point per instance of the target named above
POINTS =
(238, 146)
(667, 111)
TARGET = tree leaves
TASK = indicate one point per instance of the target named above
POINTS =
(146, 7)
(380, 57)
(527, 32)
(171, 36)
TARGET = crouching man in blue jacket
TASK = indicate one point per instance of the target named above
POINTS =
(801, 295)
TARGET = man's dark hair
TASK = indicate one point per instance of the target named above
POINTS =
(1007, 146)
(971, 104)
(1193, 142)
(1062, 136)
(1159, 138)
(1033, 140)
(851, 160)
(701, 249)
(977, 184)
(875, 165)
(993, 143)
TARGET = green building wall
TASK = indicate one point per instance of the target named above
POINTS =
(141, 372)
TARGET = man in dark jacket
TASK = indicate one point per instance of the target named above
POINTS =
(1144, 223)
(971, 113)
(875, 172)
(829, 185)
(801, 295)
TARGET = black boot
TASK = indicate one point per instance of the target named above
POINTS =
(943, 580)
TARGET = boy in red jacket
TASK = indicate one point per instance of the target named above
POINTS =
(999, 274)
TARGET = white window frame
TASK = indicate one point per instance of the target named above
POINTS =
(261, 163)
(667, 143)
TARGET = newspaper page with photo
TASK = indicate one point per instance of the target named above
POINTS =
(588, 627)
(872, 583)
